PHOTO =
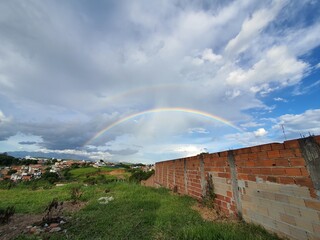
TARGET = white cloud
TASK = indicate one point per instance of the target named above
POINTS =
(198, 130)
(260, 132)
(279, 99)
(251, 124)
(278, 66)
(304, 123)
(252, 27)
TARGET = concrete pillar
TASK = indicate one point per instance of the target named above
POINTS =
(234, 182)
(311, 153)
(185, 176)
(203, 178)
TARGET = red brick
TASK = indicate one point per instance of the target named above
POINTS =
(251, 177)
(303, 181)
(273, 154)
(265, 163)
(287, 153)
(277, 146)
(249, 163)
(255, 149)
(297, 161)
(291, 144)
(223, 154)
(312, 204)
(262, 155)
(286, 180)
(272, 179)
(304, 172)
(253, 156)
(282, 163)
(266, 171)
(293, 172)
(229, 194)
(317, 139)
(255, 171)
(266, 147)
(278, 171)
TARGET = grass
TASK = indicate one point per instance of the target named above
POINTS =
(136, 212)
(141, 213)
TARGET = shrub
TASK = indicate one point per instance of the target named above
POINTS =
(6, 214)
(53, 212)
(50, 177)
(76, 194)
(138, 175)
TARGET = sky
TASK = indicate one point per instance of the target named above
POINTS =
(146, 81)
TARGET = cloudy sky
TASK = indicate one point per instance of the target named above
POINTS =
(144, 81)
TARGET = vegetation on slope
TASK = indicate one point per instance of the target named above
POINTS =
(136, 212)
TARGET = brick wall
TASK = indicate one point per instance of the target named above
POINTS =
(275, 185)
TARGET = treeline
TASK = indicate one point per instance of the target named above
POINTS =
(7, 160)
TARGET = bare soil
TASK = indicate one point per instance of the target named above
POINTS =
(19, 222)
(210, 214)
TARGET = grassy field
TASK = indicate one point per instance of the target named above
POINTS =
(136, 212)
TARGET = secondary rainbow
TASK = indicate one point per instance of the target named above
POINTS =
(158, 110)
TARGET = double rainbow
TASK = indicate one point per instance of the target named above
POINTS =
(158, 110)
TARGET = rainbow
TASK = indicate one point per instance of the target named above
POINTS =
(157, 110)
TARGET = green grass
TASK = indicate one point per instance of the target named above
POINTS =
(143, 213)
(26, 200)
(81, 174)
(136, 212)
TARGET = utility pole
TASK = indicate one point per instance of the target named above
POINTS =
(284, 133)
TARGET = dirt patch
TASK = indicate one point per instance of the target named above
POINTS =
(117, 172)
(211, 214)
(19, 222)
(208, 214)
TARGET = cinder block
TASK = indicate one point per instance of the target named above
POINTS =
(296, 201)
(312, 204)
(312, 236)
(283, 227)
(298, 233)
(304, 223)
(293, 211)
(316, 228)
(288, 219)
(281, 198)
(309, 214)
(294, 190)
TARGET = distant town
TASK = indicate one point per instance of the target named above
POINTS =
(33, 168)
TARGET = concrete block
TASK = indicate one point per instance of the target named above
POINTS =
(293, 211)
(296, 201)
(304, 224)
(283, 227)
(316, 228)
(309, 214)
(297, 233)
(294, 190)
(312, 236)
(281, 198)
(312, 204)
(288, 219)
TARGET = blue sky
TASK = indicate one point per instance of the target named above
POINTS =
(69, 69)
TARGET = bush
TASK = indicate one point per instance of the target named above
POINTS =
(76, 194)
(50, 177)
(6, 214)
(138, 175)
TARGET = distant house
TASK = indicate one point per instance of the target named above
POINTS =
(16, 177)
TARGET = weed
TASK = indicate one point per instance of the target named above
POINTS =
(6, 214)
(53, 212)
(210, 196)
(76, 194)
